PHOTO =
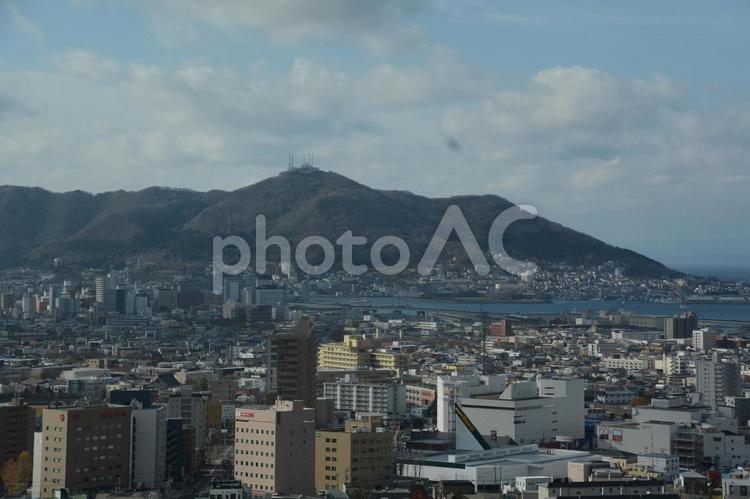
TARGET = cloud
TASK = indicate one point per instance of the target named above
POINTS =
(584, 146)
(378, 25)
(23, 25)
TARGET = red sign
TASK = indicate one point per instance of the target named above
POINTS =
(247, 414)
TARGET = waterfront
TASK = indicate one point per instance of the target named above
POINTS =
(706, 311)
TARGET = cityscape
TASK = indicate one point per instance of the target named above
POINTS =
(188, 310)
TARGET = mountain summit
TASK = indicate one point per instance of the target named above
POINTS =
(38, 224)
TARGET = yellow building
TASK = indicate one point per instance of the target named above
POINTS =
(361, 455)
(356, 352)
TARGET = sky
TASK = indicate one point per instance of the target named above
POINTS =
(625, 119)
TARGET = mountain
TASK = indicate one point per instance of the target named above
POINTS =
(38, 224)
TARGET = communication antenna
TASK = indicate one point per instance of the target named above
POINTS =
(291, 162)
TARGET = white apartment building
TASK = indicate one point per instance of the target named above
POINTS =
(629, 363)
(375, 398)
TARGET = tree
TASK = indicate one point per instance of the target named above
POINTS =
(16, 473)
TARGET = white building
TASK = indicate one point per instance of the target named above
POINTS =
(736, 487)
(615, 397)
(490, 469)
(452, 388)
(666, 464)
(379, 398)
(637, 438)
(36, 469)
(669, 411)
(677, 364)
(704, 339)
(717, 378)
(527, 412)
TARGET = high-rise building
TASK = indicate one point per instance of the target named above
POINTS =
(175, 449)
(53, 295)
(28, 304)
(149, 440)
(292, 359)
(7, 301)
(704, 339)
(359, 456)
(680, 326)
(85, 449)
(717, 378)
(501, 328)
(17, 427)
(191, 407)
(275, 449)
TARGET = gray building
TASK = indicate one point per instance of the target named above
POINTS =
(716, 379)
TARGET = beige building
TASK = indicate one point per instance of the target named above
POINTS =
(275, 448)
(292, 359)
(356, 352)
(85, 449)
(361, 455)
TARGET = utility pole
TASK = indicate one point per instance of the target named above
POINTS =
(483, 315)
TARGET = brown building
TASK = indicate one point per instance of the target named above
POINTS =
(292, 361)
(275, 449)
(85, 449)
(360, 456)
(501, 328)
(17, 426)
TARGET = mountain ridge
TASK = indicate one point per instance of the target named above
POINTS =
(41, 224)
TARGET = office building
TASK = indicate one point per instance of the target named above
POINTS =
(275, 449)
(175, 453)
(704, 339)
(717, 378)
(7, 301)
(17, 427)
(680, 326)
(360, 456)
(85, 449)
(191, 407)
(149, 445)
(292, 357)
(501, 328)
